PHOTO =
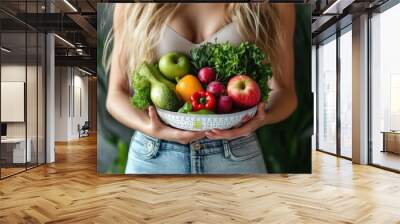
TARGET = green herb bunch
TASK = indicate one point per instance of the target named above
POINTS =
(229, 60)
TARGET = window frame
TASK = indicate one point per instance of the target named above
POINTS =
(334, 37)
(379, 10)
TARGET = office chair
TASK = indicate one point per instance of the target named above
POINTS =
(84, 130)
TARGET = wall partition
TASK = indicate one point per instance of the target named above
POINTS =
(22, 77)
(13, 147)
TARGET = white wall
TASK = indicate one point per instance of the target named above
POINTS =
(62, 81)
(80, 94)
(71, 94)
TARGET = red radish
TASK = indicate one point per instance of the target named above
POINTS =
(244, 91)
(224, 105)
(206, 75)
(216, 88)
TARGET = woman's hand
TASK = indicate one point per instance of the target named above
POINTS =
(159, 130)
(244, 130)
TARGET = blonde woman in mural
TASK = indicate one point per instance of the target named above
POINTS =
(145, 31)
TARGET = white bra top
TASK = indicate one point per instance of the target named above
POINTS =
(173, 41)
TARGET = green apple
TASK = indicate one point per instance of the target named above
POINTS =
(174, 65)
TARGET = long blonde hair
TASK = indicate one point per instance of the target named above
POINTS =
(143, 23)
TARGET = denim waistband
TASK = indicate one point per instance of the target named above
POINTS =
(203, 146)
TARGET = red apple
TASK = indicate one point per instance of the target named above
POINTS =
(206, 75)
(224, 105)
(244, 91)
(216, 88)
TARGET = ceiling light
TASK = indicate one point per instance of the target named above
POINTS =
(80, 51)
(337, 7)
(5, 50)
(84, 71)
(64, 40)
(70, 5)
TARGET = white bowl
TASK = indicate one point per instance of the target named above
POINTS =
(204, 122)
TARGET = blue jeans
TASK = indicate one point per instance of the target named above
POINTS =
(148, 155)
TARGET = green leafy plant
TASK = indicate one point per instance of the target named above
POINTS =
(229, 60)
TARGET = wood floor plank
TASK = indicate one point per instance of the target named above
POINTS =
(70, 191)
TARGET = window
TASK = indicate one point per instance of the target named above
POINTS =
(385, 88)
(346, 93)
(330, 134)
(327, 96)
(313, 87)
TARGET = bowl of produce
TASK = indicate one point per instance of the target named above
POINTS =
(216, 87)
(203, 122)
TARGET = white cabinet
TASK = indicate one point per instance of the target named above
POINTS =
(17, 146)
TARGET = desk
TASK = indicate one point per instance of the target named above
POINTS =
(391, 141)
(16, 147)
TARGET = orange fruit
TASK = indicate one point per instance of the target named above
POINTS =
(188, 85)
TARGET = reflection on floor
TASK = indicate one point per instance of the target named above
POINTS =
(346, 152)
(70, 191)
(387, 159)
(8, 170)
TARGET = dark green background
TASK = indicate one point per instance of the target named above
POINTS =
(286, 145)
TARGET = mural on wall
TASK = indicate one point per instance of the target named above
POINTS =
(230, 94)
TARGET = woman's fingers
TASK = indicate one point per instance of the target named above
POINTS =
(185, 137)
(230, 133)
(169, 133)
(243, 121)
(194, 136)
(261, 109)
(245, 118)
(223, 134)
(212, 135)
(153, 115)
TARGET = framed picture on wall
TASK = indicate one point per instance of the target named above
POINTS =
(230, 94)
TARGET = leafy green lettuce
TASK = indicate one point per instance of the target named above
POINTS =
(229, 60)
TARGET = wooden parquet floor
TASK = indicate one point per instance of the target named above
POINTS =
(70, 191)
